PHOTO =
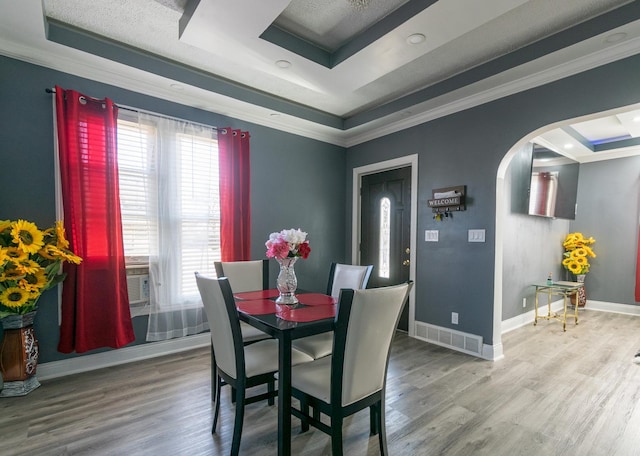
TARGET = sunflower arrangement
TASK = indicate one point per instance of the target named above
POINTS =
(576, 253)
(30, 263)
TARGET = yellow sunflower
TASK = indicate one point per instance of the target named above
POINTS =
(27, 235)
(69, 256)
(579, 252)
(11, 274)
(3, 255)
(15, 297)
(4, 224)
(16, 254)
(582, 261)
(61, 236)
(574, 267)
(28, 266)
(34, 282)
(54, 253)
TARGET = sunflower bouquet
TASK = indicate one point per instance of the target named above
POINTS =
(30, 263)
(576, 253)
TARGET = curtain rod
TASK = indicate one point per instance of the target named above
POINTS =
(142, 111)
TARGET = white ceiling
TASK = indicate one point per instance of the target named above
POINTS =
(353, 76)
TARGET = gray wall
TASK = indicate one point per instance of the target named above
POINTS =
(466, 148)
(532, 246)
(609, 210)
(296, 182)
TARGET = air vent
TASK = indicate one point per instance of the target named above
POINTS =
(455, 340)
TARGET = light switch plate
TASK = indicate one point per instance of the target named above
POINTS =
(431, 235)
(476, 235)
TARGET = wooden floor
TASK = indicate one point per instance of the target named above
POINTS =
(555, 393)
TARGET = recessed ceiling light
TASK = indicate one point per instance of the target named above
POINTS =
(636, 119)
(416, 38)
(283, 63)
(568, 146)
(614, 38)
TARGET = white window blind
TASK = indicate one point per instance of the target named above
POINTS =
(200, 204)
(138, 184)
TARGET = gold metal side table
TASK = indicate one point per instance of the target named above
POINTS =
(564, 289)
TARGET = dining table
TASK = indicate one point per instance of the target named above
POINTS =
(313, 314)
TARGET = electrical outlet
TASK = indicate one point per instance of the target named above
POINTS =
(454, 318)
(431, 236)
(524, 302)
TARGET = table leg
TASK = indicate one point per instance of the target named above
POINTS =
(535, 319)
(576, 306)
(564, 312)
(284, 396)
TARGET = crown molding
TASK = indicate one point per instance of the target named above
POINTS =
(102, 70)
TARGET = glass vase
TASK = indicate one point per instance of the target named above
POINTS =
(287, 282)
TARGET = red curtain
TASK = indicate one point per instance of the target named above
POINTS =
(235, 204)
(95, 304)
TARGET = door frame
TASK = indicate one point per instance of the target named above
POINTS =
(400, 162)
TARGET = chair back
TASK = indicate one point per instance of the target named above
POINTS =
(226, 336)
(365, 325)
(350, 276)
(249, 275)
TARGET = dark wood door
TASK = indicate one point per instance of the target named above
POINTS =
(385, 229)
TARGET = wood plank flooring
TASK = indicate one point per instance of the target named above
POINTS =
(555, 393)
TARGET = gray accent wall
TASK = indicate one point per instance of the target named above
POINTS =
(295, 182)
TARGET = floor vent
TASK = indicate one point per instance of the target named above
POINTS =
(456, 340)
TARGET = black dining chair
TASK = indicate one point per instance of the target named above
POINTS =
(238, 365)
(354, 376)
(341, 276)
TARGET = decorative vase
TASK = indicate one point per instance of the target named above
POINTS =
(19, 355)
(581, 294)
(287, 282)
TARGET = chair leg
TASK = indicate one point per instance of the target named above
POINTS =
(214, 375)
(304, 408)
(382, 430)
(336, 436)
(237, 426)
(216, 412)
(373, 419)
(271, 388)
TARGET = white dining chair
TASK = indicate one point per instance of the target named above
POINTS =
(354, 376)
(250, 275)
(341, 276)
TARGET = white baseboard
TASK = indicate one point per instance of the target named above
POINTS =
(125, 355)
(600, 306)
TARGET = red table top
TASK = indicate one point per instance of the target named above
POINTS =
(257, 306)
(259, 294)
(315, 299)
(305, 314)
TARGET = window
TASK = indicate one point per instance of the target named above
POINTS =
(385, 238)
(169, 201)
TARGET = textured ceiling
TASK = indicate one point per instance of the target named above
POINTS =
(351, 74)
